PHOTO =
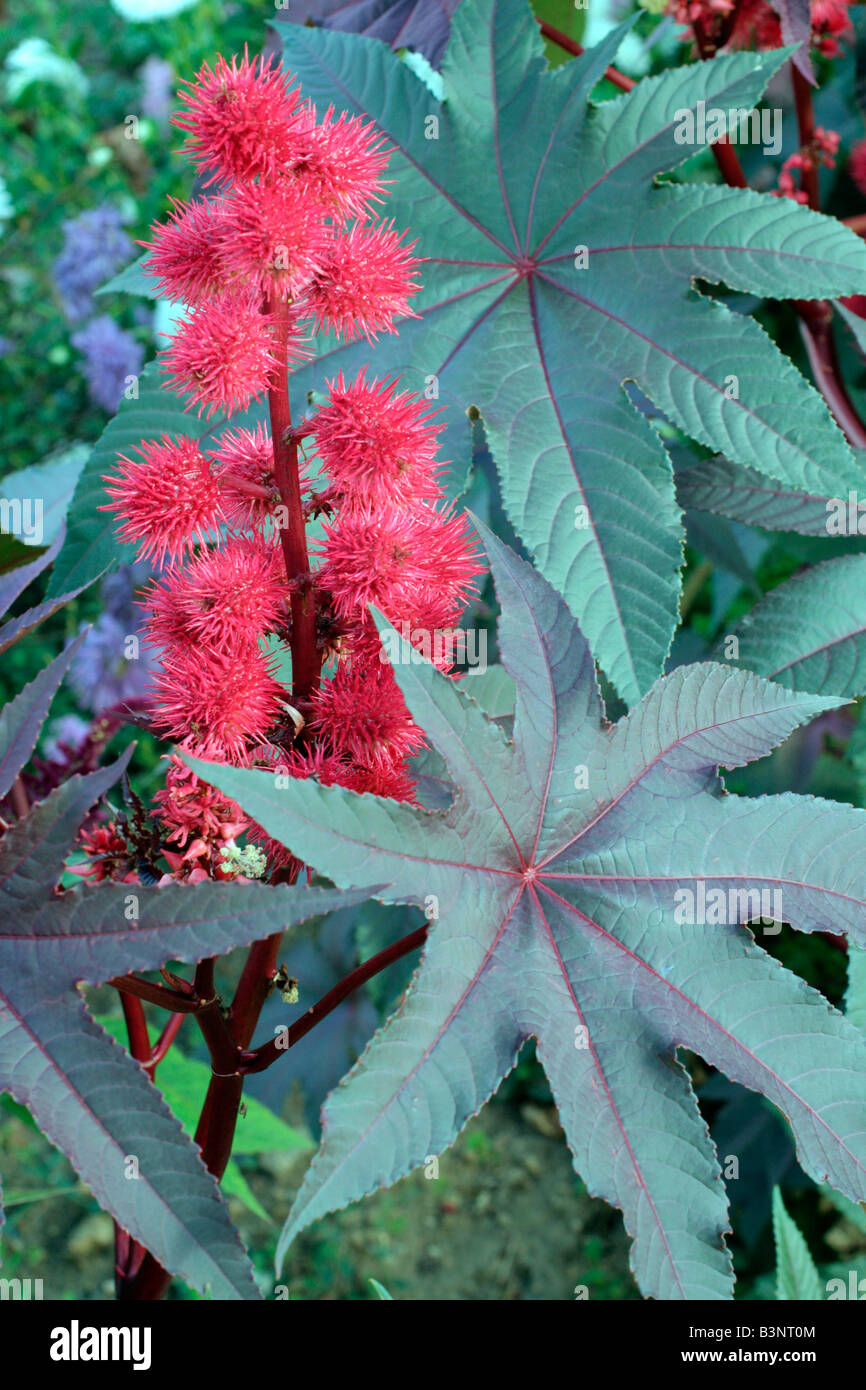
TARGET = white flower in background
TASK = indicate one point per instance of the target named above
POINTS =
(34, 60)
(146, 11)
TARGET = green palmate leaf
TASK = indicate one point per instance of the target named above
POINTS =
(810, 632)
(796, 1275)
(588, 886)
(855, 1010)
(493, 689)
(134, 279)
(87, 1095)
(556, 270)
(719, 486)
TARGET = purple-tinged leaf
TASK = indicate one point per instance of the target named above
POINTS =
(22, 719)
(562, 875)
(796, 21)
(719, 486)
(19, 627)
(86, 1093)
(419, 24)
(14, 582)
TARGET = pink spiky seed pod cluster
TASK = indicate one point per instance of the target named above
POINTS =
(284, 247)
(292, 222)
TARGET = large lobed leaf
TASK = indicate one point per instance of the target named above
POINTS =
(554, 873)
(502, 182)
(810, 632)
(85, 1092)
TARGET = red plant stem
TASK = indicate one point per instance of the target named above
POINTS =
(857, 223)
(816, 326)
(128, 1253)
(570, 45)
(253, 988)
(20, 801)
(228, 1037)
(214, 1134)
(806, 128)
(155, 994)
(728, 162)
(164, 1042)
(136, 1027)
(268, 1053)
(306, 660)
(230, 1063)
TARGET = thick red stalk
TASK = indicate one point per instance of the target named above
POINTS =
(268, 1053)
(128, 1254)
(816, 326)
(306, 660)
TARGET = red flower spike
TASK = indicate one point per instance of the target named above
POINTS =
(378, 444)
(217, 701)
(238, 118)
(186, 252)
(276, 239)
(223, 355)
(366, 280)
(167, 500)
(191, 810)
(830, 22)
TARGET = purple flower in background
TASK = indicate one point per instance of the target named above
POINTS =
(116, 662)
(110, 356)
(95, 246)
(157, 90)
